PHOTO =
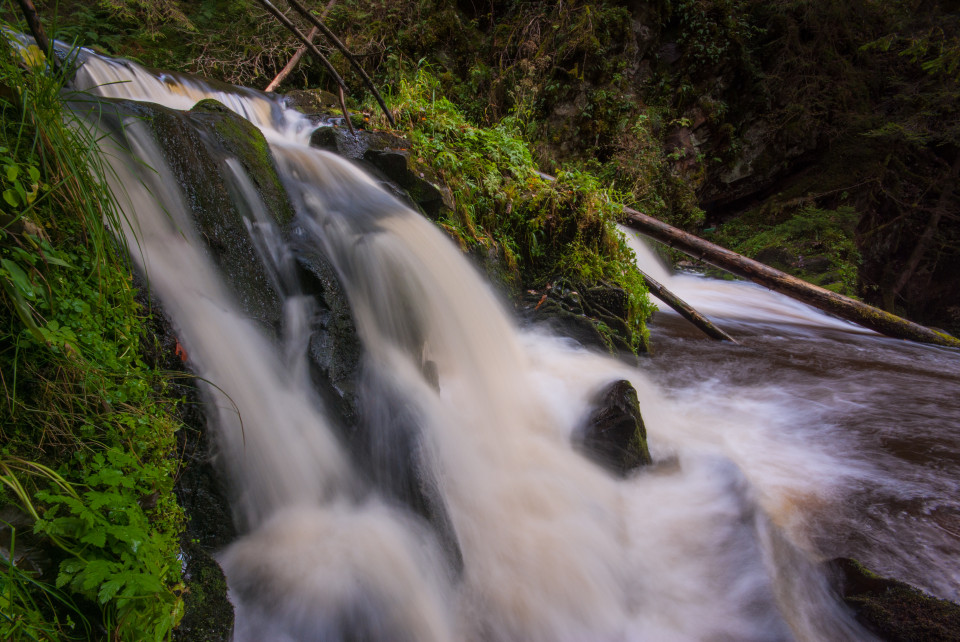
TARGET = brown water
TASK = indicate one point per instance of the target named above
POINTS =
(888, 410)
(811, 439)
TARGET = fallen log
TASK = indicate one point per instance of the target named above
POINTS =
(684, 309)
(820, 298)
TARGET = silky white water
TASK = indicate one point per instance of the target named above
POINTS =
(529, 540)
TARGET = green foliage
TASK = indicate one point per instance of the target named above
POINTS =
(233, 40)
(89, 446)
(650, 182)
(817, 245)
(935, 51)
(712, 31)
(546, 229)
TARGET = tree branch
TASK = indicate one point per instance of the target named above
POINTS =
(346, 52)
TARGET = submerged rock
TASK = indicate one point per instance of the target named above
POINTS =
(388, 156)
(422, 186)
(33, 554)
(614, 435)
(335, 350)
(312, 101)
(894, 610)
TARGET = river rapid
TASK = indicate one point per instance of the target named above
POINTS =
(811, 439)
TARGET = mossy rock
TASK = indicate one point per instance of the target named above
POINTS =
(896, 611)
(614, 435)
(242, 140)
(208, 613)
(594, 316)
(196, 145)
(313, 101)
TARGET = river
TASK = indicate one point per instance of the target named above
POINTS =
(811, 439)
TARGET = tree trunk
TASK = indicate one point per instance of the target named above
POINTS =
(685, 310)
(837, 304)
(36, 28)
(923, 243)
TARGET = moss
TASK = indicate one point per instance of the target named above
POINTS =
(817, 245)
(894, 610)
(243, 140)
(208, 613)
(547, 230)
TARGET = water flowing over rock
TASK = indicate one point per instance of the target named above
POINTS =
(614, 435)
(405, 463)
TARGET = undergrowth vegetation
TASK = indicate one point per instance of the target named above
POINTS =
(815, 244)
(545, 228)
(89, 526)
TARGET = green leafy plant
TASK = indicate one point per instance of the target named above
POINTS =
(547, 229)
(88, 437)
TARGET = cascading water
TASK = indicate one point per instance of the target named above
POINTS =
(527, 539)
(887, 410)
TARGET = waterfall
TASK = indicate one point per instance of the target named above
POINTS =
(528, 539)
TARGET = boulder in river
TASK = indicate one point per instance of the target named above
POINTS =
(614, 435)
(894, 610)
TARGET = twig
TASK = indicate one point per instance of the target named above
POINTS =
(346, 114)
(346, 52)
(310, 46)
(292, 63)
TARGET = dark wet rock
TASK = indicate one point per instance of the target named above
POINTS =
(491, 260)
(390, 158)
(312, 101)
(353, 146)
(208, 614)
(415, 179)
(614, 435)
(32, 554)
(896, 611)
(325, 138)
(196, 145)
(595, 316)
(335, 350)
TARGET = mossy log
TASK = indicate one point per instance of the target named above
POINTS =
(820, 298)
(684, 309)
